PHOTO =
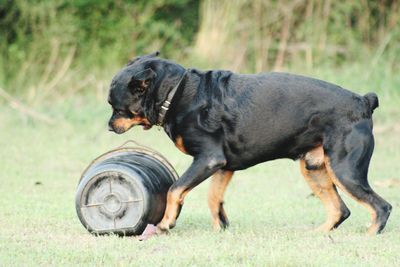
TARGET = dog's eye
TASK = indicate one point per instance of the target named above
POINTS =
(204, 112)
(119, 112)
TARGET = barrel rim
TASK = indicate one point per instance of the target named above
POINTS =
(139, 148)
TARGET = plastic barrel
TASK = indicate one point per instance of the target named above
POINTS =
(123, 190)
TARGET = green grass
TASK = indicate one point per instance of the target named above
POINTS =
(270, 213)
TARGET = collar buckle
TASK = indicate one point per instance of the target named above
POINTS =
(166, 104)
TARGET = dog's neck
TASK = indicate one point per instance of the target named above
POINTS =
(168, 77)
(168, 101)
(182, 103)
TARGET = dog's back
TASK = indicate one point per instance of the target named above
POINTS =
(278, 115)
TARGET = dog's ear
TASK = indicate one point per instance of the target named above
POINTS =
(141, 80)
(154, 54)
(133, 60)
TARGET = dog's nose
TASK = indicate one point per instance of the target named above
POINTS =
(110, 128)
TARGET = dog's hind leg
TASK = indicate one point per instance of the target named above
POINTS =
(218, 185)
(347, 164)
(323, 187)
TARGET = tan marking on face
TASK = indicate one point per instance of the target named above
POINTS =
(218, 185)
(127, 123)
(323, 187)
(144, 84)
(179, 144)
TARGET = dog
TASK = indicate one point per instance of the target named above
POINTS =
(229, 122)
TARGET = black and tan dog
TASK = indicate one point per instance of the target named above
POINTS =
(230, 122)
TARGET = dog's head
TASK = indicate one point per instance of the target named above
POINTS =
(128, 92)
(138, 90)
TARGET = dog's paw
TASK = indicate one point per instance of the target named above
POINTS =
(162, 231)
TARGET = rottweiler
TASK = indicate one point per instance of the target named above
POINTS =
(229, 122)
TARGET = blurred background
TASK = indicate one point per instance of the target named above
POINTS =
(57, 58)
(51, 50)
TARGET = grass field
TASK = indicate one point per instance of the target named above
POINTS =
(268, 206)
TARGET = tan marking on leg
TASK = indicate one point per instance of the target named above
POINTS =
(218, 185)
(315, 156)
(374, 226)
(179, 144)
(323, 187)
(175, 200)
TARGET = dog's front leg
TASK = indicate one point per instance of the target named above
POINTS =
(203, 166)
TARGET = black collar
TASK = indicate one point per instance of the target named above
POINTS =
(165, 106)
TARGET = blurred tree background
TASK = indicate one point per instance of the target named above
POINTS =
(51, 49)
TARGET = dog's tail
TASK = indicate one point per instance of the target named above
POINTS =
(372, 100)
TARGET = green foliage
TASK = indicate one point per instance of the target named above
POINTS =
(262, 35)
(39, 38)
(54, 49)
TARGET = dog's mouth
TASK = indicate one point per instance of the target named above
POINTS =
(146, 126)
(144, 122)
(141, 121)
(122, 125)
